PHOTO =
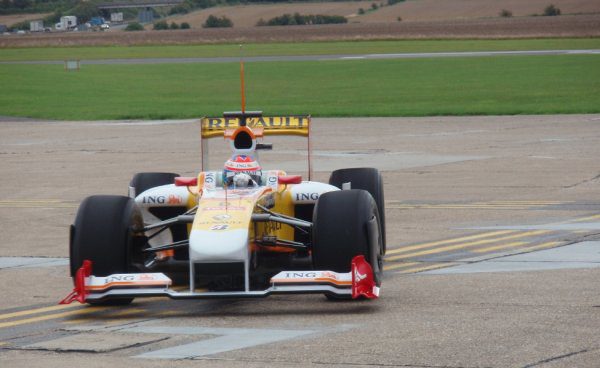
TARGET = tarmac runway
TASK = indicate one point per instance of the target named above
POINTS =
(493, 248)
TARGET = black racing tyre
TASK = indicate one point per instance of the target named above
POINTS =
(341, 232)
(365, 178)
(104, 233)
(144, 181)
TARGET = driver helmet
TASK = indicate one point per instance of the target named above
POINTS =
(242, 171)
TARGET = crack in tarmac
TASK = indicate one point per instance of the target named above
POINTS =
(548, 360)
(595, 178)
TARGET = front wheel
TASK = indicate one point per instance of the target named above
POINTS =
(365, 178)
(104, 233)
(346, 224)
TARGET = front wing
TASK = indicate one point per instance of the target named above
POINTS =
(359, 282)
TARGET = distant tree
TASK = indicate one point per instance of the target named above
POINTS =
(261, 22)
(180, 9)
(374, 6)
(160, 25)
(134, 26)
(361, 11)
(5, 4)
(298, 19)
(21, 4)
(551, 10)
(505, 13)
(174, 25)
(185, 25)
(217, 22)
(85, 11)
(392, 2)
(399, 19)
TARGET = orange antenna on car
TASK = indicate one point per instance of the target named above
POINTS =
(242, 82)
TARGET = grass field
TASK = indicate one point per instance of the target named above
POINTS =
(415, 87)
(306, 48)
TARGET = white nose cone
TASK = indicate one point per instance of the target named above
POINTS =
(218, 245)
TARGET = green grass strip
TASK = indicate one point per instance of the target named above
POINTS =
(304, 48)
(408, 87)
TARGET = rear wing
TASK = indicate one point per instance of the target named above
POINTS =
(272, 125)
(293, 125)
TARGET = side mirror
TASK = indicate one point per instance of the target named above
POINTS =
(290, 179)
(264, 146)
(186, 181)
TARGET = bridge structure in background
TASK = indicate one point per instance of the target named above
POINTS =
(139, 4)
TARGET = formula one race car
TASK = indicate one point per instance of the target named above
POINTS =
(239, 232)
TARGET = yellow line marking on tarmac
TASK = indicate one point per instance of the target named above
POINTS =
(516, 205)
(37, 310)
(2, 343)
(51, 316)
(586, 218)
(114, 317)
(31, 200)
(169, 313)
(542, 246)
(127, 312)
(458, 207)
(497, 247)
(427, 268)
(527, 202)
(37, 203)
(469, 244)
(80, 321)
(448, 241)
(399, 265)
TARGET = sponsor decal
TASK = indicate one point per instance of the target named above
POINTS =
(224, 208)
(146, 277)
(220, 221)
(262, 122)
(170, 199)
(222, 217)
(329, 275)
(272, 181)
(210, 180)
(271, 227)
(301, 275)
(219, 227)
(240, 166)
(296, 125)
(154, 199)
(307, 196)
(174, 199)
(119, 278)
(359, 276)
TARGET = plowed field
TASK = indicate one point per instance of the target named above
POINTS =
(518, 27)
(411, 10)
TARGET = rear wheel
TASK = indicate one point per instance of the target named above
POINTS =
(104, 233)
(346, 224)
(144, 181)
(365, 178)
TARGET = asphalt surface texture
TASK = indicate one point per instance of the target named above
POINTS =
(493, 228)
(251, 59)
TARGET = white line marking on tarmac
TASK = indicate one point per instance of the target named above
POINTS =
(579, 255)
(22, 262)
(227, 339)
